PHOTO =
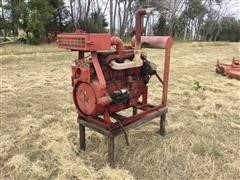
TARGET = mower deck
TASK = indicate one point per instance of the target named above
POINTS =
(231, 70)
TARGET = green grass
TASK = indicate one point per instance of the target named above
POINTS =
(207, 149)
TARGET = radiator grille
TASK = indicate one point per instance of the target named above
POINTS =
(74, 42)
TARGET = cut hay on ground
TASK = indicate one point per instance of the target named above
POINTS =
(39, 132)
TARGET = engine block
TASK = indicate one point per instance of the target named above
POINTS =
(107, 80)
(122, 88)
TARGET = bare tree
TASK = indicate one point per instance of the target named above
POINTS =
(111, 16)
(114, 16)
(71, 11)
(3, 19)
(87, 9)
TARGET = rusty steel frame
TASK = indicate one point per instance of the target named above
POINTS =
(111, 130)
(111, 134)
(83, 42)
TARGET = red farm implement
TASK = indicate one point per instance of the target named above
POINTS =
(231, 70)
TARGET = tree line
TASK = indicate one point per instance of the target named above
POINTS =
(207, 20)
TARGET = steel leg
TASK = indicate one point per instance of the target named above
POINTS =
(82, 138)
(111, 150)
(162, 125)
(134, 111)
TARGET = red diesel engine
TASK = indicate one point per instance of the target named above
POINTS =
(106, 80)
(109, 80)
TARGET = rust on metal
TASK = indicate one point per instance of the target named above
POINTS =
(231, 70)
(108, 82)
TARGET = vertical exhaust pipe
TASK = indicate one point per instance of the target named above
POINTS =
(138, 32)
(137, 61)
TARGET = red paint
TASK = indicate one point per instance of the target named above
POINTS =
(84, 42)
(95, 83)
(231, 70)
(159, 42)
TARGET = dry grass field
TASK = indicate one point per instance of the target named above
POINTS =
(39, 132)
